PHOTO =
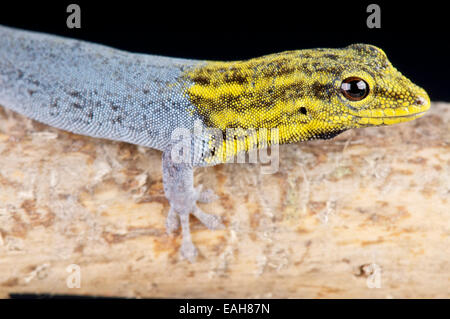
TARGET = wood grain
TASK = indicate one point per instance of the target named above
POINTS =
(368, 208)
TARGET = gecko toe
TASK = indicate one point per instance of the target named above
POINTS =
(210, 221)
(205, 196)
(172, 221)
(188, 251)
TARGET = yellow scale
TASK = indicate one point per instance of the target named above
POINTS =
(269, 92)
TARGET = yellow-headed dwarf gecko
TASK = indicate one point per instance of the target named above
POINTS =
(148, 100)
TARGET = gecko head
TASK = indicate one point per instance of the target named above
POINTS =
(369, 91)
(306, 94)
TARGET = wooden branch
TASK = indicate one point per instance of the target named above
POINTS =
(367, 209)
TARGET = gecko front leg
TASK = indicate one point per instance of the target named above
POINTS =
(178, 180)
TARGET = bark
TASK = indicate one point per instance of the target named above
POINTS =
(365, 215)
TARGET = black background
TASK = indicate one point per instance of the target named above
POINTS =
(58, 307)
(415, 36)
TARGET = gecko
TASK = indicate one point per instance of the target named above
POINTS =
(288, 97)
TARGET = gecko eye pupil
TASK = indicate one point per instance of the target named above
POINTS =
(354, 88)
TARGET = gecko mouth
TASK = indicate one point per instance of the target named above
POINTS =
(387, 120)
(394, 115)
(413, 115)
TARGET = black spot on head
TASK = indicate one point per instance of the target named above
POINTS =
(145, 91)
(114, 107)
(316, 65)
(306, 68)
(235, 77)
(292, 91)
(306, 55)
(31, 92)
(279, 67)
(76, 105)
(331, 56)
(321, 91)
(202, 80)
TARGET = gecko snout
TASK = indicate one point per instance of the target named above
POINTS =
(422, 101)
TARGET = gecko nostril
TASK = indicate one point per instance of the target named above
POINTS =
(420, 101)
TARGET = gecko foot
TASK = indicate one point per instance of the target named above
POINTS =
(178, 181)
(210, 221)
(188, 249)
(175, 218)
(172, 222)
(205, 196)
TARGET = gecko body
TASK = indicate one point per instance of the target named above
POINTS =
(102, 92)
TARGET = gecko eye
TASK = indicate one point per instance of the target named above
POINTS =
(354, 88)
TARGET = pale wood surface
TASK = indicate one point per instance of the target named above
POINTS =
(377, 196)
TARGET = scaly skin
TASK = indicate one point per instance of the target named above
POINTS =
(298, 92)
(97, 91)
